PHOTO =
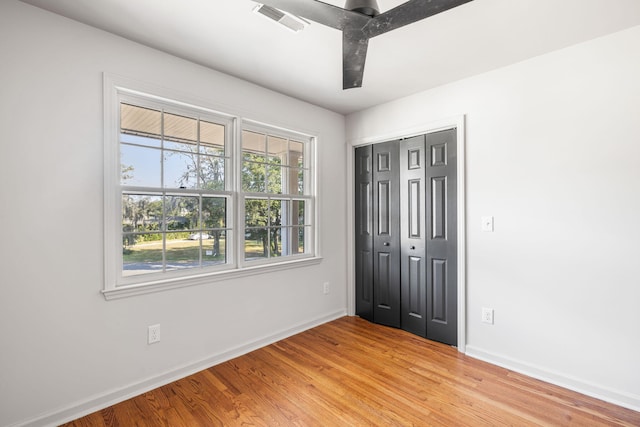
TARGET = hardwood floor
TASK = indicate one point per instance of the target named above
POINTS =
(353, 373)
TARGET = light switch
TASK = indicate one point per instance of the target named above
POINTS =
(487, 223)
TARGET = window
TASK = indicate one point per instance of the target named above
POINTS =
(174, 204)
(192, 195)
(274, 182)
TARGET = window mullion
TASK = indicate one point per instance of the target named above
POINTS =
(199, 186)
(163, 224)
(234, 150)
(200, 229)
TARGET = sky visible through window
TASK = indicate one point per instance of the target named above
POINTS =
(145, 160)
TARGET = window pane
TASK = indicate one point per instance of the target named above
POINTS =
(275, 179)
(253, 177)
(212, 138)
(214, 212)
(277, 150)
(256, 243)
(256, 212)
(297, 212)
(300, 242)
(139, 166)
(275, 212)
(296, 154)
(275, 243)
(141, 254)
(286, 239)
(280, 212)
(181, 253)
(181, 213)
(290, 180)
(253, 146)
(140, 121)
(296, 181)
(180, 170)
(212, 172)
(214, 250)
(179, 129)
(141, 213)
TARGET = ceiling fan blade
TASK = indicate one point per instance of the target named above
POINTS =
(354, 55)
(408, 13)
(322, 13)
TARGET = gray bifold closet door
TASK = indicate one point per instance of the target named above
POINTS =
(406, 234)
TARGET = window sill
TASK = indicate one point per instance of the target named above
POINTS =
(163, 285)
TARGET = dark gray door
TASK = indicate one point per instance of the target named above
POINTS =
(386, 236)
(441, 221)
(364, 231)
(406, 235)
(413, 269)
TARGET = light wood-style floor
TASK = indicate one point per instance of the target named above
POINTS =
(350, 372)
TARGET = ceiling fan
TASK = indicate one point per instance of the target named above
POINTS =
(359, 21)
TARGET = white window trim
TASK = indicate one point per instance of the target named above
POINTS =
(114, 285)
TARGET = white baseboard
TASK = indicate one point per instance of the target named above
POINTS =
(620, 398)
(112, 397)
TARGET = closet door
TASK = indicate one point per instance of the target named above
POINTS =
(406, 235)
(386, 239)
(441, 222)
(413, 232)
(364, 231)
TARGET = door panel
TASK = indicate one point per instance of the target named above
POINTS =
(415, 287)
(364, 200)
(363, 227)
(412, 228)
(383, 202)
(438, 296)
(439, 207)
(386, 242)
(414, 208)
(442, 288)
(384, 281)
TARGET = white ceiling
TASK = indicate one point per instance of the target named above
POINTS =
(473, 38)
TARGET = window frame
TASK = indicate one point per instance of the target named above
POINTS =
(163, 190)
(308, 195)
(116, 285)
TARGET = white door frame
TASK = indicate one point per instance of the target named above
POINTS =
(454, 122)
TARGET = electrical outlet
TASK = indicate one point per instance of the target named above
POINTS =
(487, 315)
(153, 334)
(325, 288)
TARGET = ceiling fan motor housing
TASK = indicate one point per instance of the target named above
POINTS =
(366, 7)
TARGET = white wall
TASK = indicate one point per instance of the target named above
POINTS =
(63, 348)
(553, 154)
